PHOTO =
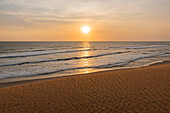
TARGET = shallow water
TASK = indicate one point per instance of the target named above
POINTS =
(64, 58)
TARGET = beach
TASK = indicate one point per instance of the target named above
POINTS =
(144, 89)
(84, 56)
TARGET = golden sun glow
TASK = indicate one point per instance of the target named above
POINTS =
(85, 29)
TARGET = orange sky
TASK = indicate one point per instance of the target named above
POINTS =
(61, 20)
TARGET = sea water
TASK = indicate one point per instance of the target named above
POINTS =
(25, 59)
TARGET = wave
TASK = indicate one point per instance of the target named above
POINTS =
(139, 47)
(117, 64)
(24, 51)
(35, 50)
(64, 59)
(30, 55)
(120, 64)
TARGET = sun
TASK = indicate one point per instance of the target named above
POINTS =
(85, 29)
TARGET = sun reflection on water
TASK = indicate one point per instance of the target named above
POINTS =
(86, 62)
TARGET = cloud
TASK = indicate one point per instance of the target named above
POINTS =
(34, 12)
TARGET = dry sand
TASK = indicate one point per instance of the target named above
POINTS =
(143, 90)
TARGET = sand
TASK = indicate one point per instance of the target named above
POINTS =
(143, 90)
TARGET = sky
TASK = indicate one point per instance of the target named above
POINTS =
(62, 20)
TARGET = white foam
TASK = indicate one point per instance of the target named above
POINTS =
(140, 47)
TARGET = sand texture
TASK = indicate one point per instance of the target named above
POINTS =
(142, 90)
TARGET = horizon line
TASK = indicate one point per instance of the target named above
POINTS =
(92, 41)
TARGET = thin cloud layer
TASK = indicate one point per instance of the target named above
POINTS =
(111, 14)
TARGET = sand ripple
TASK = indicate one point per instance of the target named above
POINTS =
(125, 91)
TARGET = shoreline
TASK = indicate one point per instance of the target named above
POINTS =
(144, 89)
(24, 80)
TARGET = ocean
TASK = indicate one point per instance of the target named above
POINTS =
(29, 59)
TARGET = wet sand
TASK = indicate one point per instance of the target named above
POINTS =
(133, 90)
